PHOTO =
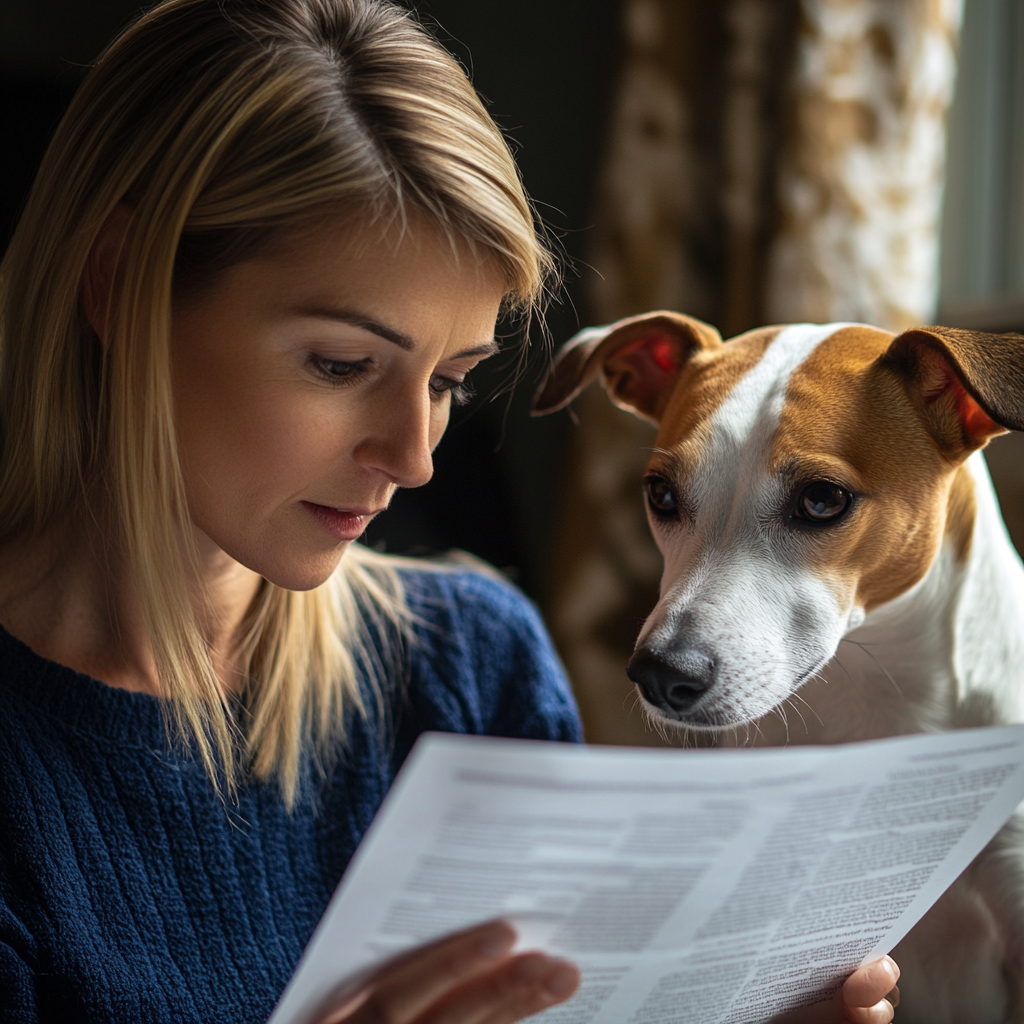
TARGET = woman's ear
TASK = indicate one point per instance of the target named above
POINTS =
(638, 360)
(101, 278)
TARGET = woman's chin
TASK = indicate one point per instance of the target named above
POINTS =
(303, 573)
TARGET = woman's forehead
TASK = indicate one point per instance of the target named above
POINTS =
(419, 263)
(413, 287)
(397, 235)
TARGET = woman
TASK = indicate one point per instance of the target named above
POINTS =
(269, 242)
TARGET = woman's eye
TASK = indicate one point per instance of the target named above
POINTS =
(661, 498)
(460, 391)
(822, 502)
(337, 371)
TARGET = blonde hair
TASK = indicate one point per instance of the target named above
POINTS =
(220, 123)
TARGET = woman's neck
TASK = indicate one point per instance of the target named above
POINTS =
(70, 595)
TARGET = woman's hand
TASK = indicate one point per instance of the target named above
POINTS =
(869, 997)
(469, 978)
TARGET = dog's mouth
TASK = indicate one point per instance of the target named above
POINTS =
(698, 714)
(710, 722)
(715, 708)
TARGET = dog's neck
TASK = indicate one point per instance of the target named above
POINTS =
(989, 620)
(949, 653)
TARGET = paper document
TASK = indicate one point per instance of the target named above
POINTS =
(710, 886)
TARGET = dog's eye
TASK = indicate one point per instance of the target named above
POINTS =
(660, 497)
(822, 502)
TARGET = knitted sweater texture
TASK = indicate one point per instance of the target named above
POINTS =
(129, 893)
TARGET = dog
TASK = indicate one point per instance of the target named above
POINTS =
(835, 568)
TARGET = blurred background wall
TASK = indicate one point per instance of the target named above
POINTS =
(746, 161)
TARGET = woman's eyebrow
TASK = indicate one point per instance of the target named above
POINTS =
(399, 338)
(360, 320)
(489, 348)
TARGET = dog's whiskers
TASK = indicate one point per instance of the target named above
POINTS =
(792, 701)
(781, 712)
(810, 707)
(871, 655)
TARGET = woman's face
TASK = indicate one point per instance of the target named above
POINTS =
(311, 383)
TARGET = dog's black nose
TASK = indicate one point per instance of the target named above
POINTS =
(671, 680)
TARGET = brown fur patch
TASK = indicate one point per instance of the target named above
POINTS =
(961, 508)
(847, 419)
(703, 385)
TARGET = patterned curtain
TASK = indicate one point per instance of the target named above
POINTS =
(767, 161)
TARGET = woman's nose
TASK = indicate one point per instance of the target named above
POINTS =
(399, 441)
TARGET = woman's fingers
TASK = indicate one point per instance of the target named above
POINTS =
(414, 982)
(880, 1013)
(523, 985)
(471, 978)
(870, 983)
(837, 1012)
(868, 997)
(870, 993)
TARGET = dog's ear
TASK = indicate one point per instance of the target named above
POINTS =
(638, 358)
(967, 386)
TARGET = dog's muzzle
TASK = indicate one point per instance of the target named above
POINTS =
(672, 680)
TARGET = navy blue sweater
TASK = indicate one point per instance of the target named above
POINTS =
(128, 893)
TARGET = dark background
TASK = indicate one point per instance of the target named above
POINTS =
(545, 69)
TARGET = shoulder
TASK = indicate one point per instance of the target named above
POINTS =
(468, 593)
(481, 657)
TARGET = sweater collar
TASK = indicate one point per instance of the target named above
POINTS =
(78, 701)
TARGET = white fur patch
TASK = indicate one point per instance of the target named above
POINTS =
(759, 394)
(732, 590)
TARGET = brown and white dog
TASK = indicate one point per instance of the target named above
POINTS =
(836, 568)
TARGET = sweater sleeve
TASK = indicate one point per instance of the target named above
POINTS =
(483, 662)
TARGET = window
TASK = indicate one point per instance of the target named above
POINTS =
(982, 278)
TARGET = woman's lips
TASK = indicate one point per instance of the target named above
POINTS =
(344, 524)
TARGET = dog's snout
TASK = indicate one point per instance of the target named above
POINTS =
(671, 680)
